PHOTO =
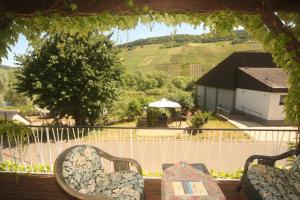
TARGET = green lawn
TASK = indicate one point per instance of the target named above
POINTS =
(218, 124)
(150, 134)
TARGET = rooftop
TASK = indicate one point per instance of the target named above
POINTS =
(272, 77)
(223, 74)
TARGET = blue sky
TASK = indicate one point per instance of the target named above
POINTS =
(139, 32)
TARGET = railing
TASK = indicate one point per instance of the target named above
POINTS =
(219, 149)
(223, 112)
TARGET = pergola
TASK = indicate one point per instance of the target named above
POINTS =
(87, 7)
(10, 9)
(267, 8)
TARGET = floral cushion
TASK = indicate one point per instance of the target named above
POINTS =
(83, 171)
(125, 185)
(296, 164)
(275, 184)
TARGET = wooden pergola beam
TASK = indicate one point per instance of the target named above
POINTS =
(91, 7)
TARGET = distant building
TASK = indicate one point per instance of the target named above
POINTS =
(245, 82)
(13, 115)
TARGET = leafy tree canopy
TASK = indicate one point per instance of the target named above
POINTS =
(72, 75)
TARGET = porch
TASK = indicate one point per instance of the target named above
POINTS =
(27, 173)
(36, 186)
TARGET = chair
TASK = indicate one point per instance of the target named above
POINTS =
(266, 182)
(79, 171)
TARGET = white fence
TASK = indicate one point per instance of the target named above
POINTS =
(218, 149)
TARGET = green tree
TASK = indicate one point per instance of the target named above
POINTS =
(72, 75)
(180, 82)
(136, 106)
(134, 109)
(3, 84)
(185, 99)
(14, 98)
(3, 81)
(11, 96)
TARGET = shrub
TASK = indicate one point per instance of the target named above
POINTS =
(15, 133)
(190, 86)
(199, 119)
(180, 82)
(29, 110)
(14, 167)
(14, 98)
(134, 109)
(154, 117)
(184, 99)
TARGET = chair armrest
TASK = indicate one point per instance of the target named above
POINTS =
(133, 162)
(120, 160)
(268, 160)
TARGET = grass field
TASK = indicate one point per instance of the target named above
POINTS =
(159, 134)
(176, 61)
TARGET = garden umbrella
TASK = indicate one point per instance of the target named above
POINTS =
(164, 103)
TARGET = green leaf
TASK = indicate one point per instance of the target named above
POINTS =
(73, 7)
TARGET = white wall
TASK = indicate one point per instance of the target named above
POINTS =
(211, 98)
(226, 99)
(276, 111)
(20, 119)
(260, 104)
(200, 95)
(253, 102)
(215, 97)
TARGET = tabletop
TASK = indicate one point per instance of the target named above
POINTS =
(184, 173)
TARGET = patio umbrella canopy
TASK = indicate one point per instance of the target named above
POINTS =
(164, 103)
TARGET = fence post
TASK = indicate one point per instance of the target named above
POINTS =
(131, 147)
(49, 150)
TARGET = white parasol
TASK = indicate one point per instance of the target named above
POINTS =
(164, 103)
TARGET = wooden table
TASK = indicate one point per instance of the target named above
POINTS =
(184, 172)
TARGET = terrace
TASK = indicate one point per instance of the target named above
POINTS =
(222, 150)
(27, 173)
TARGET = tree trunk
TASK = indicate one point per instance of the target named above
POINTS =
(274, 24)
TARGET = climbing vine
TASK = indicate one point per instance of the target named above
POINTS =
(219, 22)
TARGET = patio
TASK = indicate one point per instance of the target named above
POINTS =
(28, 173)
(24, 186)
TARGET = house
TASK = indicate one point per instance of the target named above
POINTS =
(245, 82)
(13, 115)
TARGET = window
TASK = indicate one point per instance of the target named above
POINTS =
(282, 99)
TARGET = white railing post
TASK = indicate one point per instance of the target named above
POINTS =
(49, 150)
(131, 143)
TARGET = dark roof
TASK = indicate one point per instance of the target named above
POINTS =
(272, 79)
(10, 114)
(223, 74)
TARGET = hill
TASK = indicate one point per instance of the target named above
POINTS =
(177, 40)
(186, 55)
(190, 59)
